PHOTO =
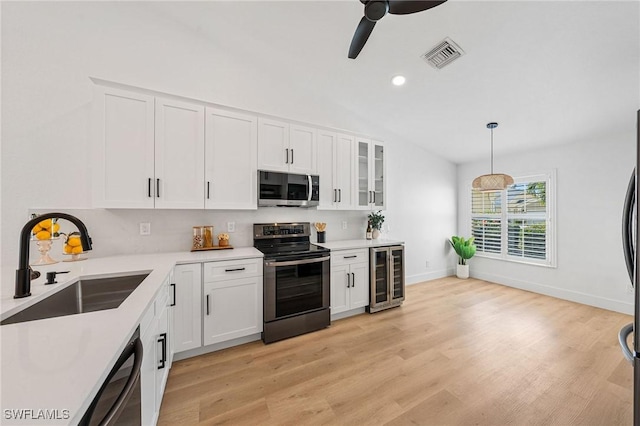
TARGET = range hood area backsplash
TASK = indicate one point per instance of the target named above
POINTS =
(117, 232)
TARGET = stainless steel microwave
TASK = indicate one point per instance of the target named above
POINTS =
(287, 189)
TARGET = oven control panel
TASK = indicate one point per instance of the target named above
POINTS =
(278, 230)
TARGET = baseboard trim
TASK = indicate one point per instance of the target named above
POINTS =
(433, 275)
(215, 347)
(573, 296)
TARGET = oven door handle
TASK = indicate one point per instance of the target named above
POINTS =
(297, 262)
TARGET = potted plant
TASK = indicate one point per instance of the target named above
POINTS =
(376, 219)
(465, 249)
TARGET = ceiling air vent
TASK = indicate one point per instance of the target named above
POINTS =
(443, 54)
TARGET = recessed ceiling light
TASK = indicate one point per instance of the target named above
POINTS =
(398, 80)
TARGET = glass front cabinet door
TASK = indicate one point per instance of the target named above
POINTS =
(387, 277)
(370, 175)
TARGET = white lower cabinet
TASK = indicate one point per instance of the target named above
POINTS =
(232, 302)
(349, 280)
(233, 309)
(187, 307)
(216, 302)
(156, 358)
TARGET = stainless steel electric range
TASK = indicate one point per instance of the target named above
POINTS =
(296, 280)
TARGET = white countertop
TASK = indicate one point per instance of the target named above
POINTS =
(358, 244)
(60, 363)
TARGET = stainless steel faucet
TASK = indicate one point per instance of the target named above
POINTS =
(23, 273)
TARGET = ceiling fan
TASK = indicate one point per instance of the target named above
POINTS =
(374, 10)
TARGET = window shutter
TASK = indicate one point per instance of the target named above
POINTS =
(524, 209)
(486, 211)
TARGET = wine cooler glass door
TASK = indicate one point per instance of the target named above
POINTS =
(380, 276)
(397, 268)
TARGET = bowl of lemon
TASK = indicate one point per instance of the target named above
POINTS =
(44, 233)
(73, 247)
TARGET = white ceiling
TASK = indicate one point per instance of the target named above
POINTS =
(549, 72)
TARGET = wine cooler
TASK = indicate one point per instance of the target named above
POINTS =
(386, 277)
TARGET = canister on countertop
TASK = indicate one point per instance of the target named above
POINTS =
(202, 237)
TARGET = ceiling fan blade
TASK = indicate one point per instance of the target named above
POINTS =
(363, 31)
(405, 7)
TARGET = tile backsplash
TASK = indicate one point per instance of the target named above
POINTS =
(117, 231)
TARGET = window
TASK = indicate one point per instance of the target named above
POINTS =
(515, 224)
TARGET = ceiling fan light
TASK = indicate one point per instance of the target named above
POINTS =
(492, 182)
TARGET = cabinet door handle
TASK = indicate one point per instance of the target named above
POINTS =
(163, 340)
(158, 187)
(348, 280)
(374, 196)
(353, 279)
(335, 195)
(208, 309)
(149, 188)
(291, 155)
(350, 257)
(235, 269)
(174, 294)
(208, 188)
(287, 160)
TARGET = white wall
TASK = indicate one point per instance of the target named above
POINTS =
(592, 178)
(49, 50)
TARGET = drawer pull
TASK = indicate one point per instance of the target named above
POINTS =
(350, 257)
(235, 269)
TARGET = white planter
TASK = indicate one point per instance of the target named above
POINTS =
(375, 234)
(462, 271)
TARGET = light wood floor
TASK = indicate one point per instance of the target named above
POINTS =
(458, 352)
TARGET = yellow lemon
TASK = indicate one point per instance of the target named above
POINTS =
(67, 249)
(36, 229)
(76, 250)
(74, 241)
(43, 235)
(45, 223)
(55, 228)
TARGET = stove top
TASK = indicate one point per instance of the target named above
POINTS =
(285, 240)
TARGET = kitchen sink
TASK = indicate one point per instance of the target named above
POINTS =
(85, 295)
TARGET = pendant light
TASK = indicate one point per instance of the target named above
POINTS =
(492, 182)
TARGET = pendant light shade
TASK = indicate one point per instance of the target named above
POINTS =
(493, 181)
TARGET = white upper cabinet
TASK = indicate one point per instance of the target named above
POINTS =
(284, 147)
(231, 152)
(370, 184)
(344, 166)
(326, 150)
(179, 155)
(123, 149)
(302, 150)
(148, 152)
(273, 145)
(157, 151)
(336, 167)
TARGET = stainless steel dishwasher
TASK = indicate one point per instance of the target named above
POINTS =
(118, 400)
